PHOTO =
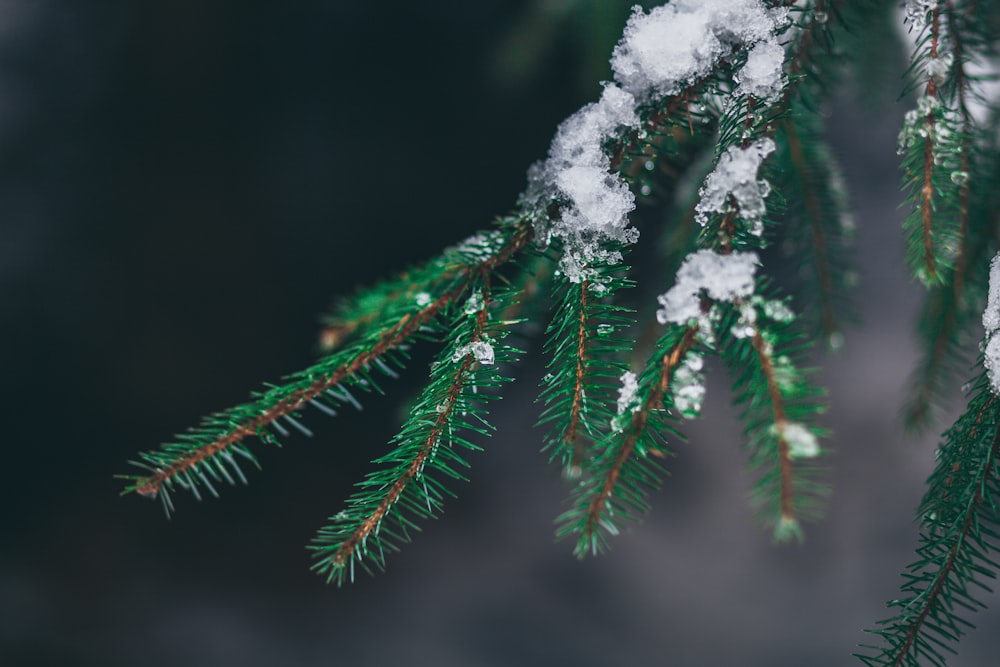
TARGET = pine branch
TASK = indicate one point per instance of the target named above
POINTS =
(932, 141)
(584, 352)
(379, 516)
(623, 468)
(779, 406)
(958, 532)
(206, 453)
(947, 324)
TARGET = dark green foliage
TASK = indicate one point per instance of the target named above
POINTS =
(627, 460)
(958, 518)
(763, 354)
(586, 348)
(612, 430)
(816, 227)
(408, 484)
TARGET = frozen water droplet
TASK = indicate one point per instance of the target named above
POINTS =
(572, 472)
(836, 340)
(604, 329)
(959, 178)
(819, 17)
(966, 387)
(650, 165)
(645, 190)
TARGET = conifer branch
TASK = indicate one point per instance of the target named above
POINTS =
(951, 308)
(736, 98)
(927, 187)
(425, 444)
(206, 451)
(622, 468)
(584, 351)
(959, 521)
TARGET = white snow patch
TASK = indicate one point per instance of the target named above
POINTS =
(628, 401)
(762, 75)
(736, 175)
(474, 303)
(723, 277)
(677, 43)
(802, 443)
(689, 386)
(991, 322)
(659, 53)
(626, 393)
(578, 171)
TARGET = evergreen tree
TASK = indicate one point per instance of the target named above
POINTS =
(712, 117)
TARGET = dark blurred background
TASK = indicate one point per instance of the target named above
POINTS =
(187, 185)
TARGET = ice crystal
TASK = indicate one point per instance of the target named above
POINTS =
(937, 68)
(480, 350)
(474, 303)
(917, 11)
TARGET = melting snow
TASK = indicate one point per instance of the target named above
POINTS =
(481, 350)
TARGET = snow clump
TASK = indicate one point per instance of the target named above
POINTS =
(659, 54)
(991, 323)
(736, 174)
(762, 75)
(723, 277)
(677, 43)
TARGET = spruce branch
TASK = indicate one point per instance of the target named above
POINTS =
(779, 406)
(624, 467)
(958, 535)
(380, 514)
(951, 308)
(816, 225)
(729, 127)
(203, 454)
(585, 354)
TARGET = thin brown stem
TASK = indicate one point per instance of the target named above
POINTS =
(348, 547)
(927, 188)
(786, 493)
(405, 328)
(571, 439)
(637, 427)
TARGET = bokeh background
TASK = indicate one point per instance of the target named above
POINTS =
(187, 185)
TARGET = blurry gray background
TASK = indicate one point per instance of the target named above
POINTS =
(186, 185)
